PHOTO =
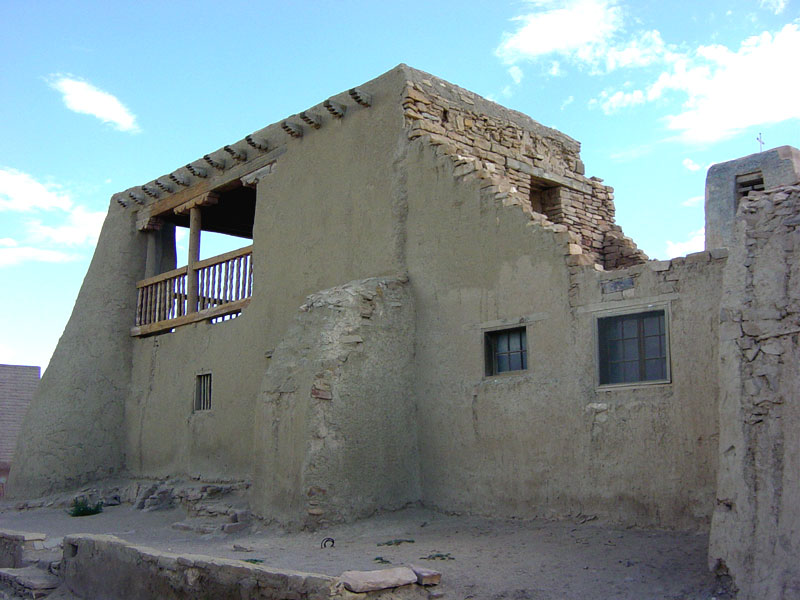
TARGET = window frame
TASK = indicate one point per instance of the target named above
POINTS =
(490, 339)
(632, 310)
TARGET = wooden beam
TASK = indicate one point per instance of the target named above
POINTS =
(169, 203)
(203, 315)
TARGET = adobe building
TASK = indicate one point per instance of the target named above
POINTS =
(17, 385)
(433, 303)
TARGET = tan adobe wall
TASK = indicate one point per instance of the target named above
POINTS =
(754, 537)
(538, 166)
(546, 442)
(74, 430)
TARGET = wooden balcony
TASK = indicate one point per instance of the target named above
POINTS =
(211, 288)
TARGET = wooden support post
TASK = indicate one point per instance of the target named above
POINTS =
(194, 256)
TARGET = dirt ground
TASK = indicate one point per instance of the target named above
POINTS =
(479, 558)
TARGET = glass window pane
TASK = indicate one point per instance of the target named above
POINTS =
(655, 369)
(652, 346)
(630, 371)
(502, 363)
(514, 341)
(630, 328)
(652, 324)
(615, 351)
(615, 373)
(611, 328)
(502, 342)
(631, 349)
(514, 361)
(524, 360)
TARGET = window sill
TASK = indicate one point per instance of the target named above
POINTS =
(611, 387)
(508, 375)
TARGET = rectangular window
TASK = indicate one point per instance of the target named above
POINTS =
(632, 348)
(202, 392)
(506, 350)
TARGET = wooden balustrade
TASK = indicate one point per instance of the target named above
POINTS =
(224, 286)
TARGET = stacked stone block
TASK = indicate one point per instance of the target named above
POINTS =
(539, 170)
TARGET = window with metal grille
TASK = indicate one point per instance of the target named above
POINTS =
(633, 348)
(506, 350)
(202, 392)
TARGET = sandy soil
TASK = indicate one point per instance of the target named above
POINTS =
(478, 558)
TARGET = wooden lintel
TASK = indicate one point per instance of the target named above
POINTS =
(169, 203)
(203, 315)
(205, 199)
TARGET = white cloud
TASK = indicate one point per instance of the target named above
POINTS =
(66, 224)
(721, 86)
(645, 50)
(579, 29)
(516, 74)
(555, 69)
(22, 193)
(690, 164)
(693, 201)
(612, 102)
(17, 254)
(567, 102)
(82, 227)
(82, 97)
(695, 243)
(776, 6)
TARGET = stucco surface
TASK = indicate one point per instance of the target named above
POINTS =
(545, 441)
(631, 432)
(335, 435)
(74, 430)
(755, 536)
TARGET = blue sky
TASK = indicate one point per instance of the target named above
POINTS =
(101, 96)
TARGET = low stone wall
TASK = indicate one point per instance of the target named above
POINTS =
(14, 545)
(103, 566)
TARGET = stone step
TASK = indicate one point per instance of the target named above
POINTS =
(29, 582)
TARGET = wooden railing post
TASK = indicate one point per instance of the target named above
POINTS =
(194, 257)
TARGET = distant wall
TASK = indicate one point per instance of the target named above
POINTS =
(335, 421)
(74, 429)
(755, 536)
(779, 166)
(17, 386)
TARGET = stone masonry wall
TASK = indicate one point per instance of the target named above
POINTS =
(541, 170)
(755, 537)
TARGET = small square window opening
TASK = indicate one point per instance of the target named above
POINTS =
(506, 350)
(202, 392)
(632, 348)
